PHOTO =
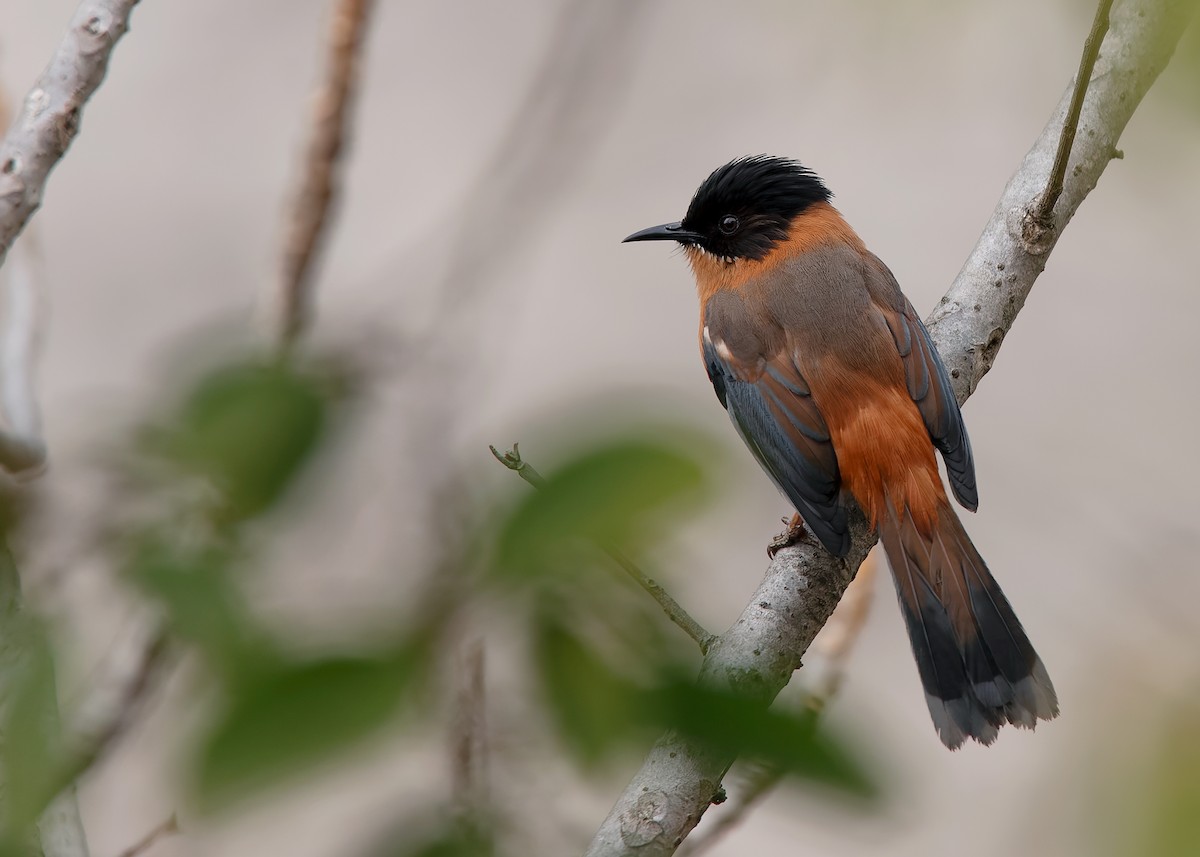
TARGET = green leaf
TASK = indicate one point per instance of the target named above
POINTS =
(622, 492)
(737, 725)
(1170, 826)
(203, 605)
(31, 749)
(23, 846)
(296, 717)
(249, 428)
(593, 707)
(456, 840)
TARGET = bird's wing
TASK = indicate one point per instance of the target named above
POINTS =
(772, 409)
(929, 385)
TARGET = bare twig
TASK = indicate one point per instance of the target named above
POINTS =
(120, 713)
(318, 186)
(61, 834)
(167, 828)
(513, 461)
(841, 632)
(50, 118)
(675, 785)
(1042, 215)
(22, 448)
(470, 770)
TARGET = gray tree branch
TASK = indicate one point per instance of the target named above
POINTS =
(22, 302)
(675, 785)
(49, 119)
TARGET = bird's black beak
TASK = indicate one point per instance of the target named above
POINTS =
(665, 232)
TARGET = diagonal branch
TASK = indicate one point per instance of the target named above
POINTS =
(50, 118)
(671, 792)
(1091, 50)
(834, 644)
(318, 187)
(165, 829)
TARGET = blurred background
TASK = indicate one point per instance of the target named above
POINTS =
(499, 152)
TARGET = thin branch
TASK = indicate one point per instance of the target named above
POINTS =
(1091, 50)
(513, 461)
(836, 640)
(22, 290)
(50, 118)
(470, 770)
(318, 186)
(168, 828)
(758, 654)
(59, 826)
(121, 713)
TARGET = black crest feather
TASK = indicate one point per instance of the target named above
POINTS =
(763, 192)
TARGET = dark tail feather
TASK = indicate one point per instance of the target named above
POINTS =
(978, 667)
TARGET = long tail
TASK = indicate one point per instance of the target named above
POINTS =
(978, 667)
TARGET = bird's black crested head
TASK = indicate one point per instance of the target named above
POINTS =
(744, 208)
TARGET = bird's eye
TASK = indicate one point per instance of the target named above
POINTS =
(729, 224)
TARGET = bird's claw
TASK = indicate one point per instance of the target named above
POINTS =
(794, 534)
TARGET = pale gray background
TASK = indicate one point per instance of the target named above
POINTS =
(166, 215)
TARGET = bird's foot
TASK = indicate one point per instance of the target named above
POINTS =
(792, 535)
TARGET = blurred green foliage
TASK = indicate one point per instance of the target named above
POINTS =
(1156, 799)
(624, 490)
(455, 838)
(249, 428)
(790, 741)
(31, 747)
(595, 709)
(295, 716)
(612, 672)
(196, 587)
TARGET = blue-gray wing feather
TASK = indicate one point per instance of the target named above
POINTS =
(773, 412)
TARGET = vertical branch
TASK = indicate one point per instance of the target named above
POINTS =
(22, 448)
(318, 187)
(22, 290)
(470, 746)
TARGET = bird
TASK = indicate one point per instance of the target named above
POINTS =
(831, 379)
